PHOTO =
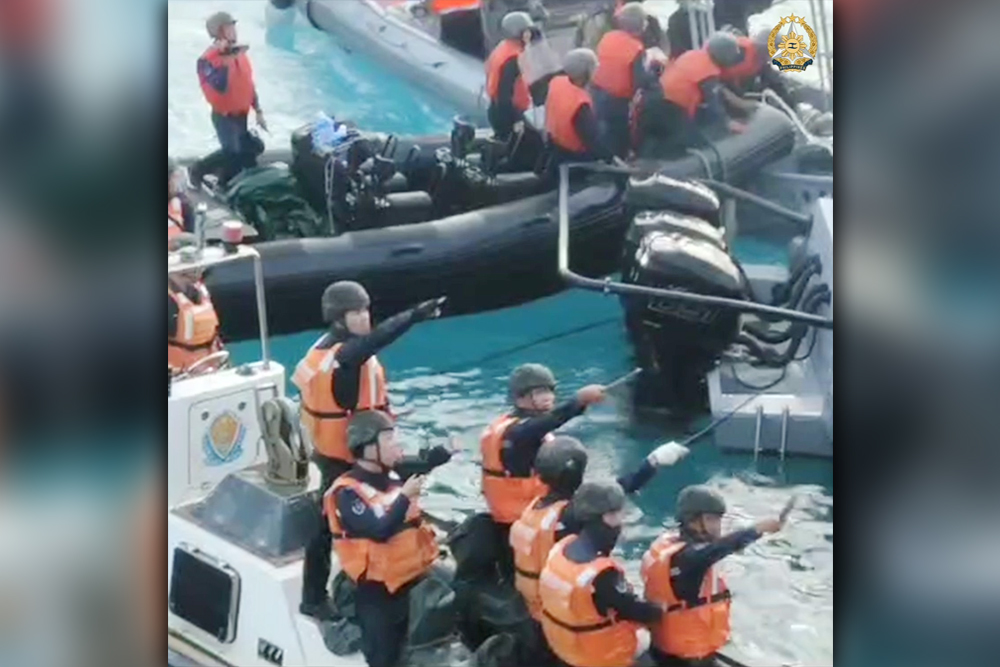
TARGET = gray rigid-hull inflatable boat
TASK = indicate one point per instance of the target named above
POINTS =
(404, 38)
(497, 248)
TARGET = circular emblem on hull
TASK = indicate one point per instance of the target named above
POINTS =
(223, 440)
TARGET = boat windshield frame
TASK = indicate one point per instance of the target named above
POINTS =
(210, 256)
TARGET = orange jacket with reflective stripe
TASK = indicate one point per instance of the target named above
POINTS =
(448, 6)
(405, 556)
(504, 51)
(563, 101)
(685, 631)
(616, 53)
(197, 329)
(506, 495)
(239, 95)
(577, 633)
(747, 68)
(532, 537)
(682, 77)
(321, 415)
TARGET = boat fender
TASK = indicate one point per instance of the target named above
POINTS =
(287, 461)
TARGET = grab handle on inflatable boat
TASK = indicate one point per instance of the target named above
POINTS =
(609, 286)
(411, 249)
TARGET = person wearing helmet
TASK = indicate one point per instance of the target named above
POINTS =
(752, 73)
(339, 375)
(226, 79)
(381, 539)
(508, 92)
(690, 97)
(180, 212)
(590, 614)
(511, 442)
(678, 571)
(192, 323)
(732, 13)
(560, 465)
(621, 72)
(570, 121)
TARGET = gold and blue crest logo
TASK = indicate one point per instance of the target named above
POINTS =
(792, 52)
(223, 440)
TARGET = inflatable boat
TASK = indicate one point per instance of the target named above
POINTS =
(419, 217)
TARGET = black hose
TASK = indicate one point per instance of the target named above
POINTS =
(798, 332)
(772, 337)
(795, 294)
(782, 293)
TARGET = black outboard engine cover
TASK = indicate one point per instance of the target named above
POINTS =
(679, 340)
(660, 192)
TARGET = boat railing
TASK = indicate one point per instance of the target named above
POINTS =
(701, 20)
(609, 286)
(203, 257)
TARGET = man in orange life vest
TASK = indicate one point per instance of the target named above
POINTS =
(690, 98)
(753, 72)
(732, 13)
(180, 213)
(621, 71)
(591, 616)
(678, 571)
(508, 93)
(339, 375)
(560, 465)
(509, 446)
(226, 79)
(570, 121)
(192, 324)
(379, 535)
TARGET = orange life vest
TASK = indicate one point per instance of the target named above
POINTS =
(747, 68)
(175, 217)
(685, 631)
(504, 51)
(506, 495)
(563, 101)
(577, 633)
(532, 537)
(681, 79)
(405, 556)
(447, 6)
(616, 52)
(239, 95)
(197, 329)
(321, 415)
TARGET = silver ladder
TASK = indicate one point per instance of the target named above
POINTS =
(783, 448)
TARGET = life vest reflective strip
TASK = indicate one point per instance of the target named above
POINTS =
(563, 101)
(197, 329)
(747, 68)
(447, 6)
(504, 52)
(616, 52)
(321, 415)
(239, 95)
(506, 495)
(532, 537)
(404, 557)
(681, 79)
(576, 632)
(685, 631)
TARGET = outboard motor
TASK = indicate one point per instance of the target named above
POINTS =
(678, 340)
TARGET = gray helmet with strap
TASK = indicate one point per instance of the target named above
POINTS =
(724, 50)
(341, 297)
(560, 457)
(632, 18)
(215, 22)
(595, 499)
(694, 501)
(580, 64)
(528, 377)
(514, 24)
(364, 427)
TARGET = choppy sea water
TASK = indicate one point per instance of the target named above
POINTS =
(448, 376)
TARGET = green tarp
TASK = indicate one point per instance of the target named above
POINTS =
(269, 198)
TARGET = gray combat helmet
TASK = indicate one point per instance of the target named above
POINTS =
(724, 50)
(760, 40)
(216, 21)
(632, 18)
(580, 65)
(527, 377)
(560, 458)
(364, 427)
(514, 24)
(341, 297)
(693, 501)
(595, 499)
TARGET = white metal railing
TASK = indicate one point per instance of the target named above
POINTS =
(701, 19)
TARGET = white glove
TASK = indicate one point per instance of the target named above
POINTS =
(667, 454)
(642, 641)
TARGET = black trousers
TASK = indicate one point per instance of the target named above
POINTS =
(316, 567)
(384, 620)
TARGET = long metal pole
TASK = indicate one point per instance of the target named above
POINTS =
(258, 279)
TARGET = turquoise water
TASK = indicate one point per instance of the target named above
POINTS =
(448, 377)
